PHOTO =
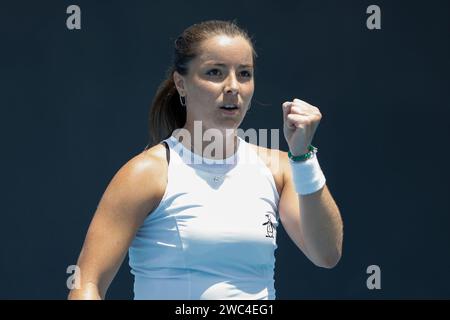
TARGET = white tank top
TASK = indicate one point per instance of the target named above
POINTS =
(213, 235)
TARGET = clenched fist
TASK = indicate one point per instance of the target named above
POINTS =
(300, 123)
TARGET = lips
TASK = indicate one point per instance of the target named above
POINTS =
(229, 106)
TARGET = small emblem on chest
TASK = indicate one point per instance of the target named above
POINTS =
(269, 227)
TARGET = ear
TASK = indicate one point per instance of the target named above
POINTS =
(178, 79)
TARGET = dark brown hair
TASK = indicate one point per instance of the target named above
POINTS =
(166, 113)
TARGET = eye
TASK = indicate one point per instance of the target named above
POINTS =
(246, 74)
(213, 72)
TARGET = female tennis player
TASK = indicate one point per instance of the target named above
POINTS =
(198, 210)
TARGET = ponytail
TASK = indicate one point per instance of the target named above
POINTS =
(166, 113)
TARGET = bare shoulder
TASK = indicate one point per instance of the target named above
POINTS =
(150, 163)
(142, 180)
(275, 160)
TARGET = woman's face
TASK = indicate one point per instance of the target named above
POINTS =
(222, 74)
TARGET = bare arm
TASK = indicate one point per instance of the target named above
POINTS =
(134, 191)
(312, 221)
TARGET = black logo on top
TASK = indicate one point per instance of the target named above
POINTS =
(269, 226)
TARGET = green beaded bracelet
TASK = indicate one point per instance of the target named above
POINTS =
(303, 157)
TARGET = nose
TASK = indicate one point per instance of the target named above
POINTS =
(232, 85)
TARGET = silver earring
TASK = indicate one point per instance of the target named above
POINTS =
(183, 103)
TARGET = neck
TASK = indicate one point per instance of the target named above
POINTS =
(214, 143)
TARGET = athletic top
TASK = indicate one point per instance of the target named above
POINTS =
(213, 235)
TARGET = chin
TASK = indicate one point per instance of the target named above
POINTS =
(228, 125)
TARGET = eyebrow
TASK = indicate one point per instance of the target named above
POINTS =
(224, 65)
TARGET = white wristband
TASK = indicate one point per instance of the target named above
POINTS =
(307, 175)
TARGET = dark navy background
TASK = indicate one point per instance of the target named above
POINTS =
(74, 107)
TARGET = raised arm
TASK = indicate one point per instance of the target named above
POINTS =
(307, 209)
(313, 221)
(135, 190)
